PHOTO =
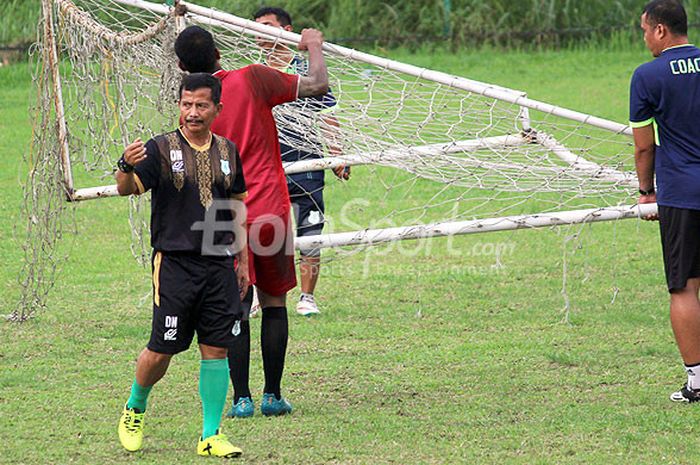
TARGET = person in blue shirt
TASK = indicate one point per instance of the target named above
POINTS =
(665, 117)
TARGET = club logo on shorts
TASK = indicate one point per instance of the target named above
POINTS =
(314, 217)
(171, 325)
(225, 167)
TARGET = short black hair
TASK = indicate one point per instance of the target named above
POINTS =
(282, 16)
(670, 13)
(196, 50)
(196, 81)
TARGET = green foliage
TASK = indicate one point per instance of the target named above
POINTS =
(473, 22)
(18, 21)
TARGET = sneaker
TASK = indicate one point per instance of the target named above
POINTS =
(242, 409)
(131, 429)
(217, 446)
(271, 406)
(686, 395)
(307, 305)
(255, 305)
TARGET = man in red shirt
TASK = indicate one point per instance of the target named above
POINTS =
(248, 96)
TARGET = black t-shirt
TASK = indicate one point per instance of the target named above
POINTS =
(185, 182)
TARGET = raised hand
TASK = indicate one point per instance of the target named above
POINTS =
(135, 152)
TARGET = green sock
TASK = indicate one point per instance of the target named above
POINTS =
(138, 397)
(213, 387)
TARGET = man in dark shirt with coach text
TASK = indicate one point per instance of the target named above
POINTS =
(664, 115)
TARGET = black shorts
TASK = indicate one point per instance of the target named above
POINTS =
(309, 211)
(193, 293)
(680, 241)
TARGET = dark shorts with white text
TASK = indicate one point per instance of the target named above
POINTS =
(193, 293)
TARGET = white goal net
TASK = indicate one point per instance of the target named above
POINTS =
(433, 154)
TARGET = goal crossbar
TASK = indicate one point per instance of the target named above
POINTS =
(443, 229)
(318, 164)
(487, 90)
(385, 156)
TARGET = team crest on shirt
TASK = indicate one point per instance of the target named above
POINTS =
(225, 167)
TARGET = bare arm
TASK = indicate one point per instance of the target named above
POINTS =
(330, 130)
(644, 153)
(133, 154)
(316, 81)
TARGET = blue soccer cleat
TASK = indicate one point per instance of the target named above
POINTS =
(244, 408)
(271, 406)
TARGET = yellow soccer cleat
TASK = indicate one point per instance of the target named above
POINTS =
(218, 446)
(131, 429)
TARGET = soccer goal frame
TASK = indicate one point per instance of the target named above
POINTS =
(527, 134)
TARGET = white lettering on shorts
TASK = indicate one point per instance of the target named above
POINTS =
(171, 324)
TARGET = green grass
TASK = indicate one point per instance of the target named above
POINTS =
(440, 357)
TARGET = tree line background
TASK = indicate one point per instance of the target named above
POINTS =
(412, 23)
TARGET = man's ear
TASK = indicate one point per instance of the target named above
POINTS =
(661, 30)
(288, 28)
(219, 107)
(217, 54)
(181, 66)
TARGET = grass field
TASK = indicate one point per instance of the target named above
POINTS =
(433, 358)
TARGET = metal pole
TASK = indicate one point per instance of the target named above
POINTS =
(58, 97)
(487, 90)
(496, 92)
(319, 164)
(542, 220)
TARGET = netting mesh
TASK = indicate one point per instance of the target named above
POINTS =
(426, 152)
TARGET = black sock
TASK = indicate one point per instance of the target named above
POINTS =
(273, 341)
(239, 363)
(239, 356)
